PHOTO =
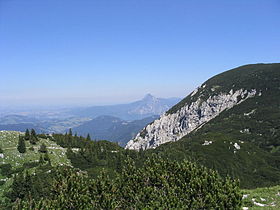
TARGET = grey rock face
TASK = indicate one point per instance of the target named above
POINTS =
(172, 127)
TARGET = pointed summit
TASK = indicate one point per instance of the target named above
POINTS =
(148, 97)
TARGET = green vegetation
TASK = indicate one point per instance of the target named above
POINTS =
(27, 135)
(153, 186)
(117, 178)
(13, 162)
(92, 156)
(21, 145)
(37, 179)
(252, 126)
(262, 198)
(88, 137)
(228, 155)
(43, 148)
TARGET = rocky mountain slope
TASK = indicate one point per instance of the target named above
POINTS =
(250, 83)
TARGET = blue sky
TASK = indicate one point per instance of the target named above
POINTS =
(112, 51)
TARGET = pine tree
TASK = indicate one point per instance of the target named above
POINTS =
(70, 132)
(88, 137)
(33, 137)
(27, 135)
(21, 145)
(33, 132)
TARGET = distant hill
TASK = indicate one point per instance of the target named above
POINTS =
(22, 127)
(146, 107)
(112, 128)
(21, 123)
(17, 119)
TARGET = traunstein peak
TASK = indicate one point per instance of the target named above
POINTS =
(173, 126)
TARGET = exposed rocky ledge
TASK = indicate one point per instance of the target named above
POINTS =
(172, 127)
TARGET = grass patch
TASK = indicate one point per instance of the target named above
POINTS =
(262, 198)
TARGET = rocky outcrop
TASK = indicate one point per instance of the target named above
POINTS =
(172, 127)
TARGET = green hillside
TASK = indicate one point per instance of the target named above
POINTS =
(228, 155)
(13, 162)
(94, 157)
(103, 177)
(244, 141)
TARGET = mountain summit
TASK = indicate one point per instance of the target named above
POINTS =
(149, 97)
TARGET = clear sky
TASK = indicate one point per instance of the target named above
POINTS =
(112, 51)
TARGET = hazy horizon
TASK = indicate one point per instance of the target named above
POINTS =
(79, 53)
(80, 103)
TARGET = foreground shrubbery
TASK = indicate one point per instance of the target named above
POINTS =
(158, 184)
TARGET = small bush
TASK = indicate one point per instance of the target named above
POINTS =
(6, 169)
(43, 148)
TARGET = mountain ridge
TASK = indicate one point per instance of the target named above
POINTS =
(146, 107)
(218, 94)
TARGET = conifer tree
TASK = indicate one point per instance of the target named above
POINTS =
(27, 135)
(33, 137)
(70, 132)
(21, 145)
(88, 137)
(33, 132)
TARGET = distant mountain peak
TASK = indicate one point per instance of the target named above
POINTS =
(146, 107)
(149, 97)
